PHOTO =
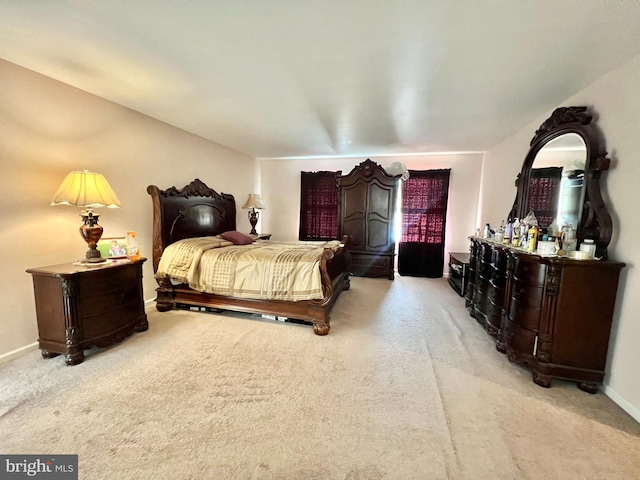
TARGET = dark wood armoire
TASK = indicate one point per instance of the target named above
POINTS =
(367, 212)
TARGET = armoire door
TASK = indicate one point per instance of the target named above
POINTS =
(379, 222)
(354, 214)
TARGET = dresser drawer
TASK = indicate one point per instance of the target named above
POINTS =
(483, 287)
(499, 259)
(496, 294)
(106, 322)
(105, 279)
(109, 300)
(524, 315)
(527, 294)
(485, 253)
(520, 339)
(372, 265)
(530, 273)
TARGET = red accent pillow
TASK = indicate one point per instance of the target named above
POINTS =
(237, 238)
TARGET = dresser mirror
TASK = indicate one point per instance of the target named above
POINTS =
(560, 177)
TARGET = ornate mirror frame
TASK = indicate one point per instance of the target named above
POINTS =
(595, 220)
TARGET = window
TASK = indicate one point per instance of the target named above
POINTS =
(319, 205)
(544, 189)
(424, 211)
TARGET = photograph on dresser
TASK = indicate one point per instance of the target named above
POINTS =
(542, 283)
(112, 247)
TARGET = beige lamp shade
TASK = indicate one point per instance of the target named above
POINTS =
(87, 190)
(254, 201)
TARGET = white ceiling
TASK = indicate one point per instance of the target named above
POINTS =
(282, 78)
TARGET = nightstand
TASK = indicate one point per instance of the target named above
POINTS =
(79, 306)
(261, 236)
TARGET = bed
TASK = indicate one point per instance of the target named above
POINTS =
(198, 211)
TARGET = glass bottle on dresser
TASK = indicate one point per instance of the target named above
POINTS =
(133, 252)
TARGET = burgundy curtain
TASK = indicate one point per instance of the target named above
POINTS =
(424, 211)
(319, 205)
(544, 190)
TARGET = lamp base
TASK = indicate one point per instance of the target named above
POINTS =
(91, 232)
(93, 259)
(253, 220)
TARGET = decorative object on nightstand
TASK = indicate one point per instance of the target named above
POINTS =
(261, 236)
(80, 306)
(87, 190)
(133, 251)
(253, 202)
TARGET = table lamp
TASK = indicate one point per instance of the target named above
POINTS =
(253, 202)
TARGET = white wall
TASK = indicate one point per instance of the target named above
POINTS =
(281, 191)
(615, 100)
(48, 129)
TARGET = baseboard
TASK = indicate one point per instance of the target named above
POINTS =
(149, 303)
(18, 352)
(622, 402)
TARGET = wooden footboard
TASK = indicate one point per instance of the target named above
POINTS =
(313, 311)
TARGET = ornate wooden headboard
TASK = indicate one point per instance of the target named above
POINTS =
(193, 211)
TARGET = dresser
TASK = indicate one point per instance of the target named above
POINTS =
(79, 306)
(551, 313)
(367, 211)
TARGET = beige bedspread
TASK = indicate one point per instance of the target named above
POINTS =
(263, 270)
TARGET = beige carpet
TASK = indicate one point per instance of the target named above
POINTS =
(406, 386)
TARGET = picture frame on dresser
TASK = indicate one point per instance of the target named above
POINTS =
(112, 247)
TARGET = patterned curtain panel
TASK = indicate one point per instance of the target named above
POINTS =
(319, 205)
(424, 211)
(544, 191)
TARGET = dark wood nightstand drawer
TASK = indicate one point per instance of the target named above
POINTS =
(95, 326)
(108, 300)
(107, 278)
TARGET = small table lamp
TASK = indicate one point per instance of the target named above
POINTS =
(253, 202)
(87, 190)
